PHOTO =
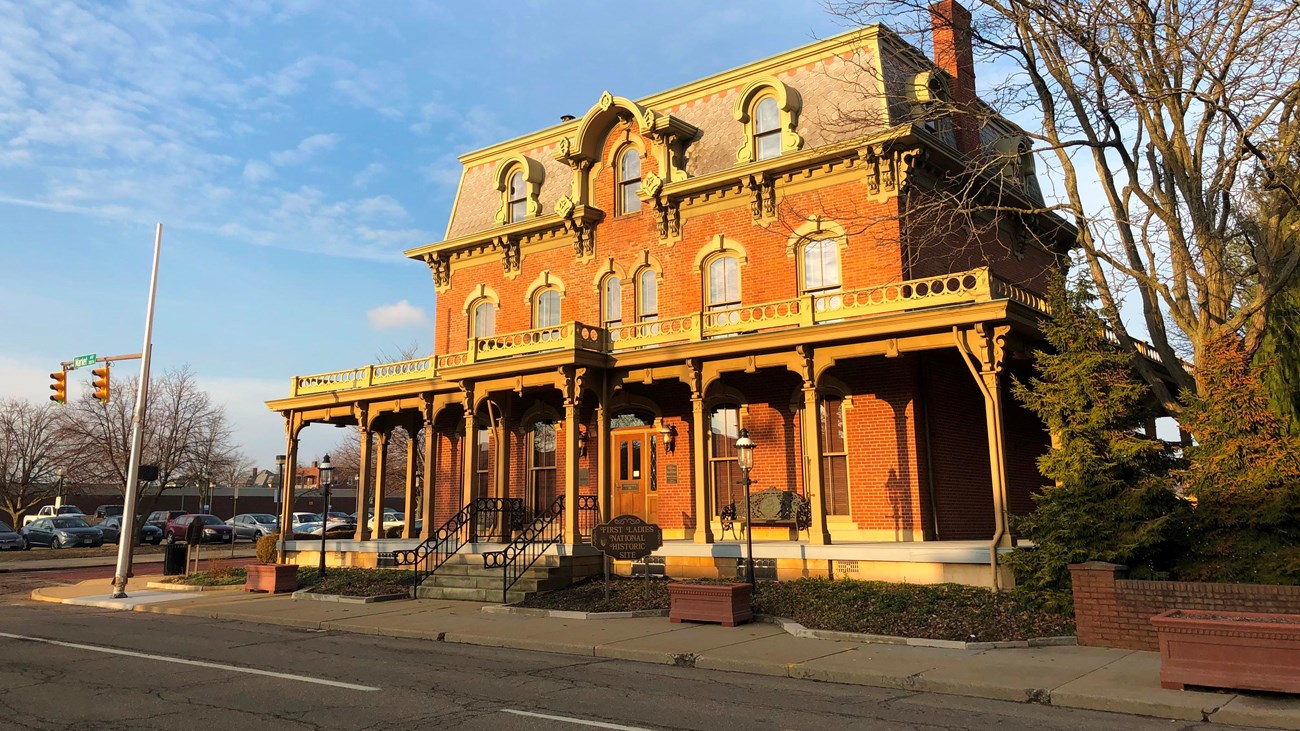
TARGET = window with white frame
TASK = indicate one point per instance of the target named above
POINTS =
(722, 288)
(629, 181)
(767, 129)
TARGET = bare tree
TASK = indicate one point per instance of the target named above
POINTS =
(30, 455)
(1158, 120)
(186, 434)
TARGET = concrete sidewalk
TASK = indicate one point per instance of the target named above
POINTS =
(1074, 677)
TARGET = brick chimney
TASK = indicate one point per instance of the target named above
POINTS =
(950, 26)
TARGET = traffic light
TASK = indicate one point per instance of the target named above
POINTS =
(100, 383)
(59, 387)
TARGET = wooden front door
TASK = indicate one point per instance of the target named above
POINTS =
(633, 482)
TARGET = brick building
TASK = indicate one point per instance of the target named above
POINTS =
(618, 295)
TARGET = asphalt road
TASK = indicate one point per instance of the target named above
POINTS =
(181, 673)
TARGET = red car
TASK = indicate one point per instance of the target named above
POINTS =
(215, 529)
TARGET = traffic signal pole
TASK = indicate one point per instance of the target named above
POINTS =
(127, 539)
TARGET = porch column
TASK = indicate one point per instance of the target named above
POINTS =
(287, 480)
(430, 476)
(699, 428)
(363, 478)
(381, 470)
(469, 452)
(988, 353)
(602, 457)
(571, 395)
(810, 424)
(412, 457)
(501, 456)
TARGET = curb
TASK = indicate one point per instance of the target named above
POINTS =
(566, 614)
(165, 586)
(798, 630)
(306, 595)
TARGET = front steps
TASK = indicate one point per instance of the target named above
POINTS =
(464, 578)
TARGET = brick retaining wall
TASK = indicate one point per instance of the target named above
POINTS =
(1113, 611)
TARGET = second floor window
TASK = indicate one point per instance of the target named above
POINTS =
(629, 180)
(722, 289)
(767, 129)
(517, 197)
(612, 302)
(647, 305)
(821, 266)
(485, 320)
(546, 309)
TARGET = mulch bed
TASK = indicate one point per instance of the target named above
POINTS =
(344, 582)
(931, 611)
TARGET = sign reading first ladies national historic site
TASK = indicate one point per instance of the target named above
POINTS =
(627, 538)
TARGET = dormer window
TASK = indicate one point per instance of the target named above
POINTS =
(767, 129)
(517, 198)
(629, 181)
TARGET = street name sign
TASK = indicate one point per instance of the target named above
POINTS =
(82, 361)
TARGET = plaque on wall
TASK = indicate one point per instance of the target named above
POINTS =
(671, 474)
(584, 477)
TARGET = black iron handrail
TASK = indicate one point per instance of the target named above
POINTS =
(483, 519)
(529, 545)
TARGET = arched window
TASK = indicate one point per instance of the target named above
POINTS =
(546, 308)
(485, 320)
(541, 465)
(767, 129)
(647, 295)
(482, 457)
(821, 265)
(517, 198)
(629, 180)
(835, 455)
(611, 301)
(724, 430)
(722, 289)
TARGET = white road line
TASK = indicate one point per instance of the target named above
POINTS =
(579, 721)
(197, 663)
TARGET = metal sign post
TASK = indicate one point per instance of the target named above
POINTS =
(627, 538)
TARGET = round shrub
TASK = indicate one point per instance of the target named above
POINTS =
(268, 548)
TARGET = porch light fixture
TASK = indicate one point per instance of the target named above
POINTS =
(582, 441)
(745, 460)
(670, 438)
(326, 480)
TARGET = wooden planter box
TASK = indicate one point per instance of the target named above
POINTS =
(728, 604)
(274, 578)
(1245, 650)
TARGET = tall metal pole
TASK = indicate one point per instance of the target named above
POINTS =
(749, 535)
(127, 538)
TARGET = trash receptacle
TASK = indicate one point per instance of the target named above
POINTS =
(173, 559)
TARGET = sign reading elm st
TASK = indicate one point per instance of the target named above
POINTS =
(627, 538)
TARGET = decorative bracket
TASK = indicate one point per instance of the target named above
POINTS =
(888, 169)
(510, 255)
(440, 267)
(762, 205)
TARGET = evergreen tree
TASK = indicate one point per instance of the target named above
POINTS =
(1112, 498)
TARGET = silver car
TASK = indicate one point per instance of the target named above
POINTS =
(255, 525)
(10, 539)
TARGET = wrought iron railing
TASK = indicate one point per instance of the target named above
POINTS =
(588, 514)
(490, 519)
(529, 545)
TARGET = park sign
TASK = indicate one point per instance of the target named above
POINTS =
(627, 538)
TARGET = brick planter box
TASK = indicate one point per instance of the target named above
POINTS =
(275, 578)
(1244, 650)
(727, 604)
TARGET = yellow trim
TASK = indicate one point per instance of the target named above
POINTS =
(788, 105)
(534, 175)
(480, 292)
(717, 245)
(545, 280)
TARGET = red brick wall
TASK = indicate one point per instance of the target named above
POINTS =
(1112, 611)
(958, 449)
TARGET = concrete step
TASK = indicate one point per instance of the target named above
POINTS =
(469, 595)
(525, 583)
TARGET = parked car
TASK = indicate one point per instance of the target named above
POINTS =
(159, 518)
(255, 525)
(215, 529)
(391, 518)
(49, 511)
(108, 511)
(10, 539)
(112, 529)
(64, 531)
(336, 529)
(301, 518)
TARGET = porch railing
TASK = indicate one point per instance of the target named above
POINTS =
(489, 519)
(975, 285)
(529, 545)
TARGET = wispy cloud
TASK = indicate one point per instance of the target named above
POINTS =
(366, 176)
(400, 315)
(256, 171)
(305, 150)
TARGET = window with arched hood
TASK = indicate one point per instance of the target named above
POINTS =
(517, 197)
(767, 129)
(611, 301)
(546, 308)
(821, 265)
(722, 288)
(629, 181)
(484, 324)
(647, 295)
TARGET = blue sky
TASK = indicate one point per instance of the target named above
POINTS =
(291, 150)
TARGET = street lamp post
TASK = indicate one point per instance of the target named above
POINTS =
(58, 495)
(326, 480)
(279, 495)
(745, 458)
